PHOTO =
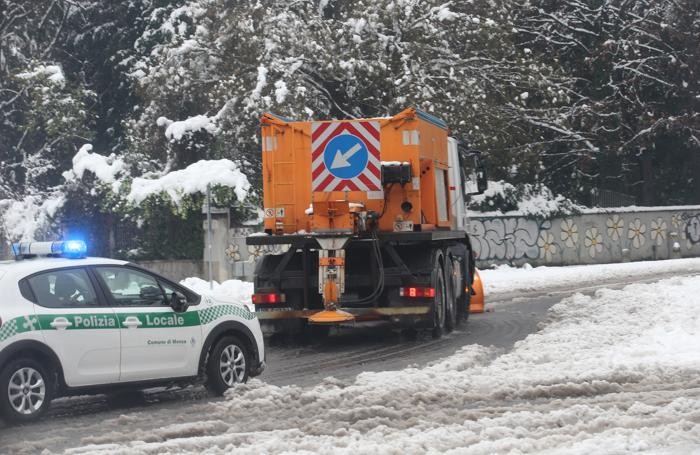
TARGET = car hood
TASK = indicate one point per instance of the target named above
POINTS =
(225, 300)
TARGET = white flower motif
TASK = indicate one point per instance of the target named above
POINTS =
(676, 220)
(547, 246)
(658, 230)
(593, 241)
(636, 233)
(233, 253)
(615, 226)
(255, 252)
(569, 233)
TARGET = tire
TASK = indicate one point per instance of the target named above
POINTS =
(229, 363)
(451, 317)
(465, 302)
(438, 282)
(26, 390)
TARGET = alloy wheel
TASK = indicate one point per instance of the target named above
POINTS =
(26, 391)
(232, 365)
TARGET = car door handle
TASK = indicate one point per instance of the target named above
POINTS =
(60, 323)
(131, 321)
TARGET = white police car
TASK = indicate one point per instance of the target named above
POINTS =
(71, 324)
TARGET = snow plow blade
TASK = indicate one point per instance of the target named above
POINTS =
(330, 317)
(476, 305)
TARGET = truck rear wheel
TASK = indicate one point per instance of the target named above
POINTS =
(438, 282)
(451, 317)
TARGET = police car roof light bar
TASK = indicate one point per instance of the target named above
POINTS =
(73, 249)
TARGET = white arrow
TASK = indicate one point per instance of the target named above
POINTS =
(341, 159)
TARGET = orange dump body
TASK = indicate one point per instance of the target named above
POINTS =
(293, 152)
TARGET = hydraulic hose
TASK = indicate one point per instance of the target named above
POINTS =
(380, 282)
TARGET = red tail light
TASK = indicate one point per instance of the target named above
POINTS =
(416, 292)
(268, 299)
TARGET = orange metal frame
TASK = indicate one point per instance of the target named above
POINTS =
(287, 191)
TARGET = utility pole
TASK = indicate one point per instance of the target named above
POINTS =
(211, 281)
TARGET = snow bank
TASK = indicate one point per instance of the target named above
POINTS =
(506, 279)
(611, 373)
(235, 291)
(639, 208)
(105, 168)
(193, 179)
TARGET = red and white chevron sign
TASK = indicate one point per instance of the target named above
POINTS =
(345, 156)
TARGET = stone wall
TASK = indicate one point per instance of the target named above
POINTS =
(596, 236)
(176, 270)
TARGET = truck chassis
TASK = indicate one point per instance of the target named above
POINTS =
(378, 266)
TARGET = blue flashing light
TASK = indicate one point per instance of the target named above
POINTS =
(73, 249)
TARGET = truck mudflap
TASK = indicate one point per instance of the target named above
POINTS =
(360, 314)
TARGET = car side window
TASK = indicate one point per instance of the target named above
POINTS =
(130, 287)
(169, 290)
(64, 288)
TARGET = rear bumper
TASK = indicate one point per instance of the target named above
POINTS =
(361, 314)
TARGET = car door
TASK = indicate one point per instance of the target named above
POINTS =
(77, 324)
(157, 342)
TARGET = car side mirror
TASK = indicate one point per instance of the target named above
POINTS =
(178, 302)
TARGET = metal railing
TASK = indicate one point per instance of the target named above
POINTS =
(608, 198)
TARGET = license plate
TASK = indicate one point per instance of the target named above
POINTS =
(402, 226)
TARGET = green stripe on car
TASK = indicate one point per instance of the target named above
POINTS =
(96, 321)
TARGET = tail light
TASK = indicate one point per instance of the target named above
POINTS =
(416, 292)
(268, 298)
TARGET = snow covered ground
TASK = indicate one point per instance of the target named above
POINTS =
(505, 279)
(614, 372)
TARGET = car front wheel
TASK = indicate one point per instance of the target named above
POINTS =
(25, 387)
(229, 363)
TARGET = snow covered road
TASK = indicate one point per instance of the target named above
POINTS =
(617, 371)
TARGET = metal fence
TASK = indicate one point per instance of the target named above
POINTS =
(608, 198)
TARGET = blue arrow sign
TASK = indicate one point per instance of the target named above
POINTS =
(345, 156)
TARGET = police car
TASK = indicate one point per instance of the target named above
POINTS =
(71, 324)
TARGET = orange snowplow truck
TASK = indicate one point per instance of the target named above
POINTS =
(366, 218)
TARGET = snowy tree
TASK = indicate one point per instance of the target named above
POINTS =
(573, 94)
(634, 72)
(231, 62)
(44, 113)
